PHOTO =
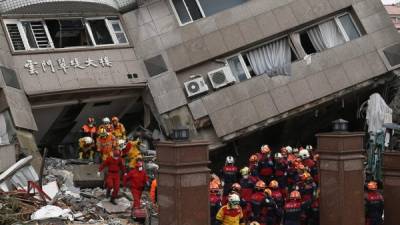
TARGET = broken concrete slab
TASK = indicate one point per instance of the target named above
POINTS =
(18, 175)
(123, 204)
(85, 176)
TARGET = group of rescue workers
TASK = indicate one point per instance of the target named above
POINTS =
(119, 155)
(276, 188)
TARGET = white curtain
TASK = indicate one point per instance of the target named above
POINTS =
(272, 59)
(330, 34)
(295, 37)
(316, 38)
(325, 35)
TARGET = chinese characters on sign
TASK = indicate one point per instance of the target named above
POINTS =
(61, 64)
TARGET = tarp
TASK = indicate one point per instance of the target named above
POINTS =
(378, 113)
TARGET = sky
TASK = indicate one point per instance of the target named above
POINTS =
(389, 1)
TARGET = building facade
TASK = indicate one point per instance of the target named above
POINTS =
(223, 69)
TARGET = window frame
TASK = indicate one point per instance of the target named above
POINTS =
(85, 22)
(341, 27)
(242, 63)
(187, 10)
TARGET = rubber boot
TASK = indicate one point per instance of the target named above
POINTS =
(113, 201)
(108, 193)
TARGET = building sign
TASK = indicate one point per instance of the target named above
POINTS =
(45, 66)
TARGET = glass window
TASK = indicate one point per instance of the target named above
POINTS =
(118, 31)
(10, 77)
(15, 37)
(29, 34)
(392, 54)
(236, 66)
(211, 7)
(181, 10)
(68, 33)
(349, 27)
(101, 35)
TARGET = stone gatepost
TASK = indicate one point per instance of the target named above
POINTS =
(342, 178)
(391, 187)
(183, 181)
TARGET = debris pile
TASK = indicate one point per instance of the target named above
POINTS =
(58, 199)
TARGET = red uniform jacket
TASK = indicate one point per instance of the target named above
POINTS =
(114, 165)
(137, 179)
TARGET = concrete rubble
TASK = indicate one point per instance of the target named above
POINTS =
(68, 204)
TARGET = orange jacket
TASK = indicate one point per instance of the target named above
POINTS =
(89, 131)
(105, 146)
(153, 191)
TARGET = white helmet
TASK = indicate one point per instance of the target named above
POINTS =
(295, 150)
(88, 140)
(106, 120)
(121, 143)
(230, 160)
(304, 154)
(234, 199)
(278, 155)
(289, 149)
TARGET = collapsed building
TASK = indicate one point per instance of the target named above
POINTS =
(235, 73)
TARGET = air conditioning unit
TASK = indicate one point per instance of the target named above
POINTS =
(221, 77)
(195, 86)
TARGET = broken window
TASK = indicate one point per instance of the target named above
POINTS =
(64, 33)
(68, 33)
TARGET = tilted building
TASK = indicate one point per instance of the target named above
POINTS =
(221, 68)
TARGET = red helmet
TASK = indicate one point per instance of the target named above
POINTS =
(295, 195)
(260, 185)
(236, 187)
(253, 158)
(265, 149)
(90, 120)
(372, 186)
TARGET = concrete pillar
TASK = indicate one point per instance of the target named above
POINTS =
(391, 187)
(183, 183)
(342, 178)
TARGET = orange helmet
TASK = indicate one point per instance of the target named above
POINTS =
(114, 119)
(265, 149)
(268, 191)
(372, 186)
(305, 176)
(214, 187)
(236, 187)
(295, 195)
(253, 158)
(273, 184)
(260, 185)
(103, 132)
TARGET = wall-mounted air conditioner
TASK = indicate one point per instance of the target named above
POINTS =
(195, 86)
(221, 77)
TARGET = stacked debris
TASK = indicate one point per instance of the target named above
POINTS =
(58, 201)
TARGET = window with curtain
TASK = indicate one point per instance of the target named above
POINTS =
(329, 34)
(271, 59)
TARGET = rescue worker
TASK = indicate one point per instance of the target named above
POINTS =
(230, 175)
(306, 160)
(292, 209)
(118, 128)
(307, 189)
(105, 143)
(373, 205)
(138, 179)
(231, 213)
(215, 180)
(153, 194)
(106, 125)
(89, 129)
(115, 165)
(86, 148)
(247, 185)
(271, 208)
(215, 201)
(265, 164)
(258, 209)
(131, 152)
(279, 199)
(281, 167)
(253, 165)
